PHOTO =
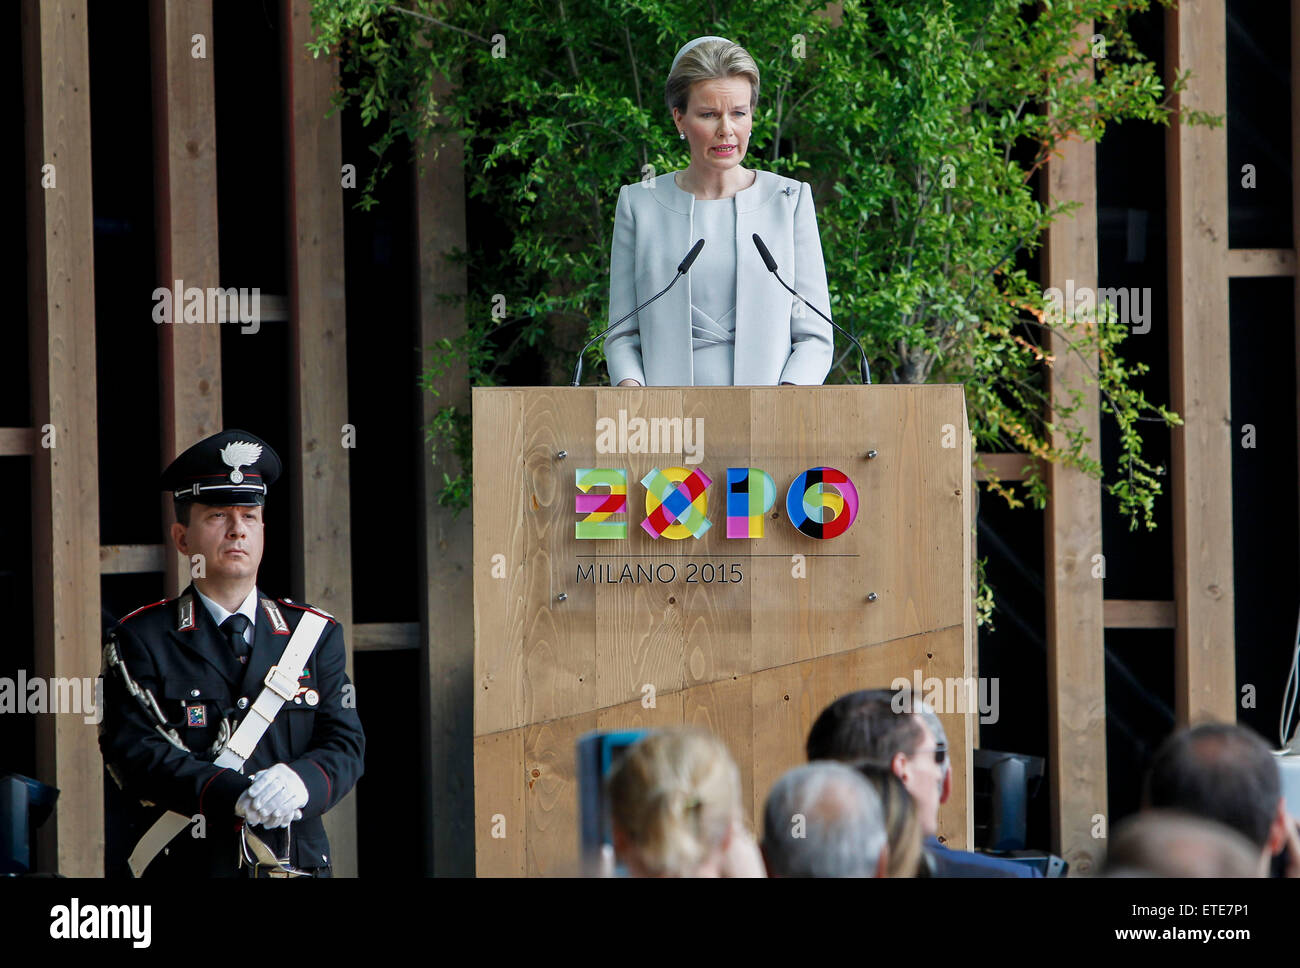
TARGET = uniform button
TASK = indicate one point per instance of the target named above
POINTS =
(243, 702)
(324, 858)
(194, 693)
(297, 700)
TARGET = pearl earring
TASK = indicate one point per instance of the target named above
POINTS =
(682, 135)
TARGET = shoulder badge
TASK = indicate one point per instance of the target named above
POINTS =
(278, 625)
(185, 613)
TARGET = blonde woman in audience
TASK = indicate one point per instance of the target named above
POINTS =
(902, 825)
(675, 802)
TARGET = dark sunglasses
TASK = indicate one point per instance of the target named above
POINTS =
(940, 752)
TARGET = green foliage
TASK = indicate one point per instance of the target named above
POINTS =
(920, 125)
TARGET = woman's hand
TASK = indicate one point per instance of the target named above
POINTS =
(629, 383)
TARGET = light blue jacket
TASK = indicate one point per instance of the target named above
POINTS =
(775, 341)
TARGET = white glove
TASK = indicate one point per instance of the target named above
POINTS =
(244, 808)
(276, 797)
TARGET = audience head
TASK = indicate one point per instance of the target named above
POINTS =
(1166, 843)
(674, 796)
(902, 826)
(824, 820)
(1222, 772)
(893, 728)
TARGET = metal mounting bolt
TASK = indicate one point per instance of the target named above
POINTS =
(560, 455)
(872, 597)
(562, 597)
(871, 455)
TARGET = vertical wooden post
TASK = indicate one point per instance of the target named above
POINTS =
(447, 551)
(1201, 484)
(318, 463)
(65, 468)
(1076, 667)
(185, 217)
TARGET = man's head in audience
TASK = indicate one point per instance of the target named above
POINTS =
(1167, 843)
(824, 820)
(901, 733)
(1222, 772)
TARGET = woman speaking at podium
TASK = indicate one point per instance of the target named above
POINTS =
(729, 322)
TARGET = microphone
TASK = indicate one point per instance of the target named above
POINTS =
(771, 267)
(682, 268)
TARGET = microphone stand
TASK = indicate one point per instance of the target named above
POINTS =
(682, 268)
(864, 367)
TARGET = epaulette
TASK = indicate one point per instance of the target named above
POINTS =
(143, 608)
(308, 608)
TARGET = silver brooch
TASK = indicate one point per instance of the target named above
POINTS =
(787, 191)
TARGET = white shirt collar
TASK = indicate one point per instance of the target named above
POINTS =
(247, 609)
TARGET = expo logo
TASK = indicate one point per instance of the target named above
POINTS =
(821, 502)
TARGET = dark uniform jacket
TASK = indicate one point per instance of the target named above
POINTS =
(175, 651)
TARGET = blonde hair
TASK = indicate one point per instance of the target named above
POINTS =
(674, 795)
(902, 825)
(713, 60)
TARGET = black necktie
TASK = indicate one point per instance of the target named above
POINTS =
(234, 628)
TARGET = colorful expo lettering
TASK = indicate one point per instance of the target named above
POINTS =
(821, 502)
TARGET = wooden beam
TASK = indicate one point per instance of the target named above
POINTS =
(185, 213)
(1076, 649)
(1205, 681)
(132, 559)
(385, 636)
(447, 551)
(1124, 613)
(318, 461)
(17, 441)
(1005, 467)
(1243, 263)
(65, 475)
(274, 309)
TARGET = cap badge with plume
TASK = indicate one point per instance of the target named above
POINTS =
(240, 453)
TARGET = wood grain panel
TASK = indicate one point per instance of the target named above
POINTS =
(714, 609)
(640, 635)
(550, 775)
(500, 548)
(701, 644)
(499, 808)
(560, 636)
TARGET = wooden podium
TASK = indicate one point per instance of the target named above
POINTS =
(748, 637)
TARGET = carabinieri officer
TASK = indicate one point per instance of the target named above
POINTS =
(233, 732)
